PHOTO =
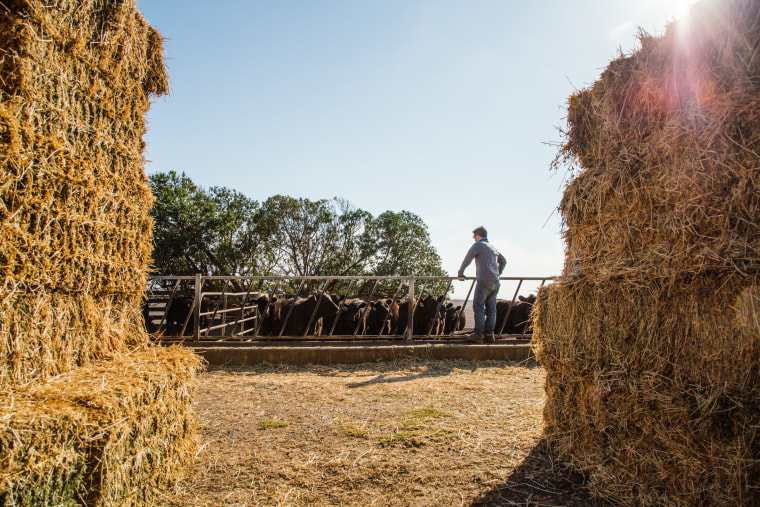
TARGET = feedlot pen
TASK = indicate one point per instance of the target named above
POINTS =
(334, 319)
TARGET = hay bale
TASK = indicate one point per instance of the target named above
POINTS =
(75, 83)
(46, 334)
(654, 392)
(116, 433)
(703, 330)
(651, 338)
(75, 231)
(89, 414)
(665, 147)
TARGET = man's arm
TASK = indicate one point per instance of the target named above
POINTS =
(466, 262)
(502, 263)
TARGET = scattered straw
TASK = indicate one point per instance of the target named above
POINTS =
(477, 437)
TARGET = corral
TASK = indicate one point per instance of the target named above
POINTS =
(345, 320)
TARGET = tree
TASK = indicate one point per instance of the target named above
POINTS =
(325, 237)
(215, 232)
(354, 248)
(240, 236)
(403, 247)
(223, 232)
(182, 218)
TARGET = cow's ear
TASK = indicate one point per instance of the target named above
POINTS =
(441, 298)
(458, 308)
(521, 298)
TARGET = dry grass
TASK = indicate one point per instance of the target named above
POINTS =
(407, 433)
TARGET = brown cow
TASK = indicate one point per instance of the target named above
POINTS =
(381, 317)
(428, 316)
(349, 318)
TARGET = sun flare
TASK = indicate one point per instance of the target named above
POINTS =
(676, 9)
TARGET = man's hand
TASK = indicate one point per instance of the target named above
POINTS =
(461, 276)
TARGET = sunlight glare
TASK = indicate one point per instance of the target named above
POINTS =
(675, 9)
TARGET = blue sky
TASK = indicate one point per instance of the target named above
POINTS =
(448, 109)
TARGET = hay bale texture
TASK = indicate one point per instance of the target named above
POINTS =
(90, 413)
(651, 337)
(75, 82)
(116, 432)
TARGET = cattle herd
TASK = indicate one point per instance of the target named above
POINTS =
(325, 315)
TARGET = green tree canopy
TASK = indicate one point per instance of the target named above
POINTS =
(222, 232)
(402, 246)
(213, 232)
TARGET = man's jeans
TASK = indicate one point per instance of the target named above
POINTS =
(484, 305)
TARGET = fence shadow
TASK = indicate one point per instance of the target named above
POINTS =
(391, 378)
(541, 480)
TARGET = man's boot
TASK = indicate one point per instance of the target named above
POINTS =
(474, 337)
(489, 338)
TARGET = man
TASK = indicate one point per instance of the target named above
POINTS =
(489, 265)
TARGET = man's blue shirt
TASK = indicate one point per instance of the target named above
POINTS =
(489, 263)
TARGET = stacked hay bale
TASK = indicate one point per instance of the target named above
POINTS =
(651, 338)
(89, 413)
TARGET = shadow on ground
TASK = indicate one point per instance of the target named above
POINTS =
(443, 369)
(541, 481)
(392, 378)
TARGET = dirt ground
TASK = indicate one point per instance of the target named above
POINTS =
(433, 433)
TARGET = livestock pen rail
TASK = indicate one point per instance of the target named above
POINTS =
(260, 308)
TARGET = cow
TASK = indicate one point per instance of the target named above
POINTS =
(304, 316)
(173, 318)
(349, 318)
(180, 308)
(267, 323)
(381, 317)
(454, 319)
(428, 316)
(514, 317)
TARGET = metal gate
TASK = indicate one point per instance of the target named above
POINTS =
(259, 308)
